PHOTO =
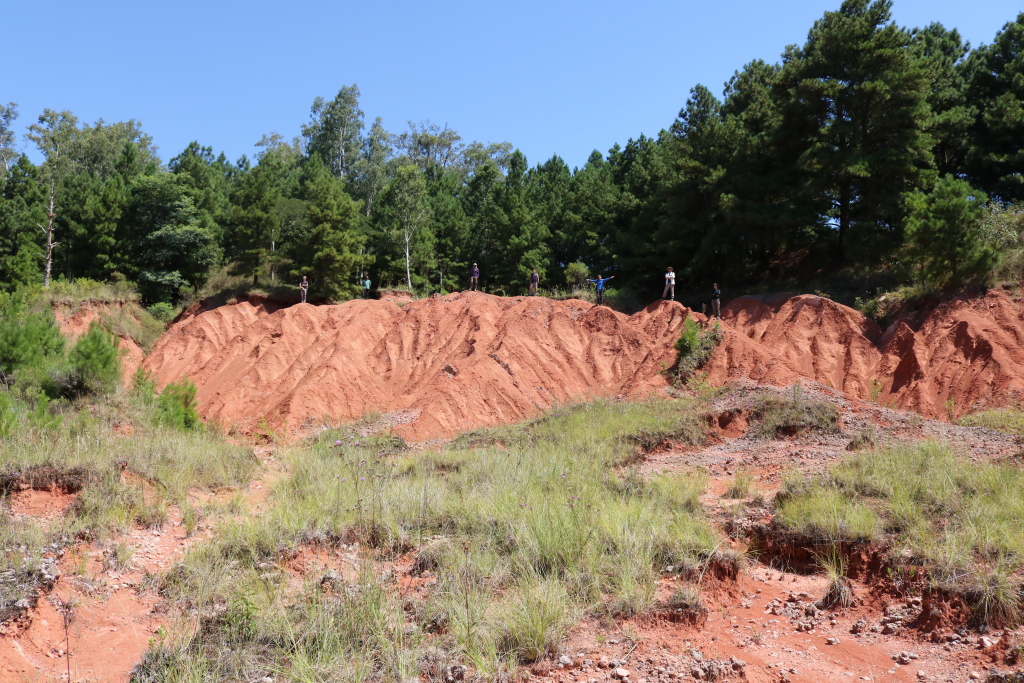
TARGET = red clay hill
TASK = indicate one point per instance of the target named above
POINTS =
(450, 363)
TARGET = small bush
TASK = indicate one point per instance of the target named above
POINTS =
(96, 359)
(162, 311)
(694, 347)
(177, 406)
(28, 340)
(576, 275)
(794, 415)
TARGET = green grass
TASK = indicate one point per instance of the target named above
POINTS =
(160, 465)
(960, 519)
(793, 415)
(1006, 420)
(524, 529)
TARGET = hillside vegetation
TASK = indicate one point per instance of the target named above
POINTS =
(797, 175)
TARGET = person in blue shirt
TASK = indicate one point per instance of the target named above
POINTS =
(600, 287)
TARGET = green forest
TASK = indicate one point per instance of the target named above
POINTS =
(870, 155)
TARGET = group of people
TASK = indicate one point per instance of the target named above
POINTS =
(670, 293)
(304, 287)
(474, 285)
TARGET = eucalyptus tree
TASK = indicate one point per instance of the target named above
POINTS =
(54, 135)
(333, 131)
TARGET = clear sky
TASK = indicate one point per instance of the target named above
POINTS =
(550, 77)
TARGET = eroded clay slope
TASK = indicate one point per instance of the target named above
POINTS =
(451, 362)
(965, 355)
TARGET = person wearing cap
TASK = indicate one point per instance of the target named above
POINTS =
(716, 302)
(474, 278)
(670, 284)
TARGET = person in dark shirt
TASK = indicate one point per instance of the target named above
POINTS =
(534, 281)
(474, 278)
(600, 287)
(303, 288)
(716, 302)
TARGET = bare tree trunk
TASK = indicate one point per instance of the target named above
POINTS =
(48, 231)
(408, 273)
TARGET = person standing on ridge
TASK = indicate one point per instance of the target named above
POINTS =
(474, 278)
(366, 287)
(670, 284)
(716, 302)
(534, 281)
(600, 287)
(303, 287)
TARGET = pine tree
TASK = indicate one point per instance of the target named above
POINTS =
(855, 120)
(996, 159)
(944, 243)
(254, 215)
(330, 253)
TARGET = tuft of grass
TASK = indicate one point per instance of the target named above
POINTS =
(828, 514)
(794, 415)
(1006, 420)
(839, 593)
(741, 485)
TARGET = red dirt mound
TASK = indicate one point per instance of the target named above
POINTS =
(452, 362)
(466, 360)
(967, 354)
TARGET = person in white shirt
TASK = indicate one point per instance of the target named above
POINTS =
(670, 285)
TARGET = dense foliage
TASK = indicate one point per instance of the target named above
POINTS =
(870, 148)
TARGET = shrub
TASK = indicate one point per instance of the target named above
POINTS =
(794, 415)
(177, 406)
(694, 347)
(162, 311)
(576, 275)
(96, 357)
(943, 235)
(8, 420)
(27, 339)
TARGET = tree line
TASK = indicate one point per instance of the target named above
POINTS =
(871, 146)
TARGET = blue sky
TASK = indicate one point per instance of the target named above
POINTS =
(550, 77)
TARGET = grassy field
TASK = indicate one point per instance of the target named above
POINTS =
(525, 529)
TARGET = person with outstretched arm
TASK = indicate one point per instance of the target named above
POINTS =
(474, 278)
(600, 287)
(670, 284)
(534, 281)
(716, 302)
(303, 287)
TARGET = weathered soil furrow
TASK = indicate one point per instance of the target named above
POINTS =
(470, 359)
(463, 360)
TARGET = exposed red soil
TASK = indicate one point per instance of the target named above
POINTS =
(445, 364)
(968, 351)
(458, 361)
(113, 615)
(76, 323)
